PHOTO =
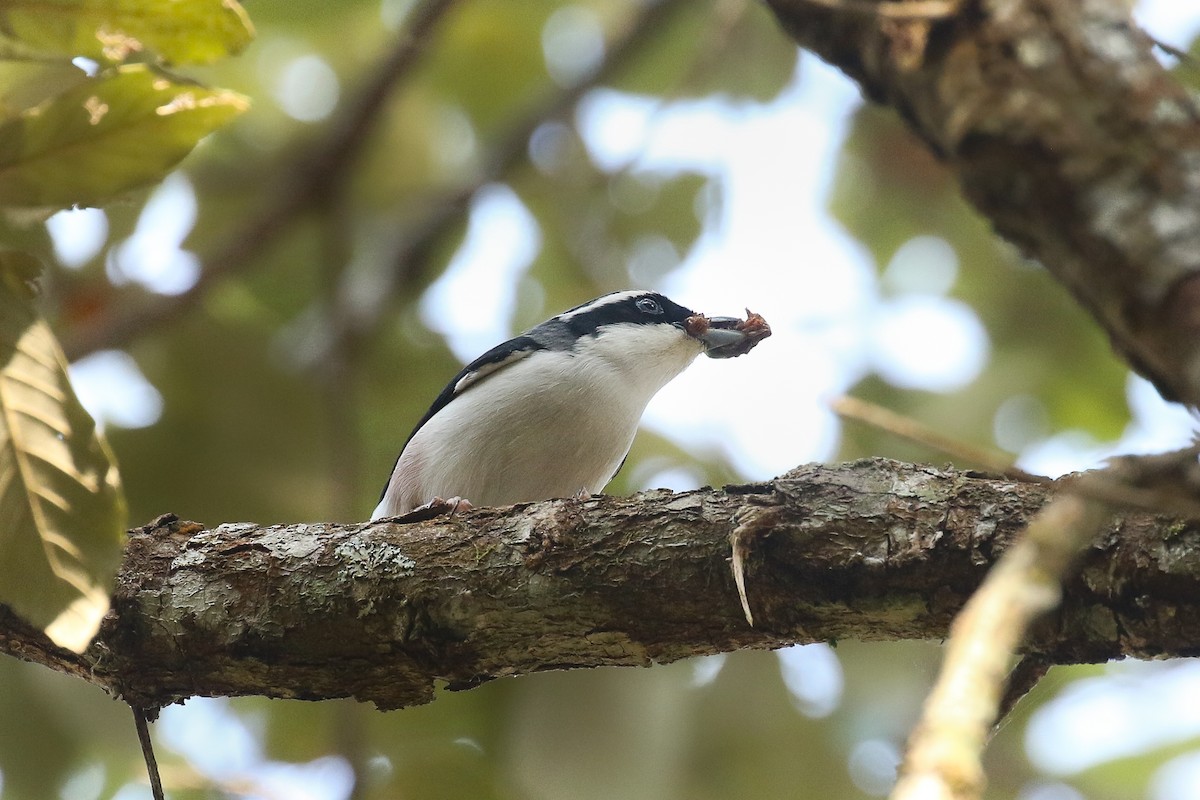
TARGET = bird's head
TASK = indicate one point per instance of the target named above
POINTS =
(642, 326)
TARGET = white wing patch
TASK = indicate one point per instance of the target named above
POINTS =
(487, 369)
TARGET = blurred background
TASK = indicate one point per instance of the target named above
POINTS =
(259, 333)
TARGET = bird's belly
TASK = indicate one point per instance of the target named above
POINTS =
(550, 447)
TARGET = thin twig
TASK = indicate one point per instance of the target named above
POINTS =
(908, 428)
(1098, 485)
(1181, 55)
(310, 176)
(336, 370)
(142, 723)
(1026, 674)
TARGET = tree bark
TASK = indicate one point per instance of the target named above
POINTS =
(1063, 130)
(382, 611)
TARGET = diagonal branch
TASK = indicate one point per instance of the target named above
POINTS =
(1066, 132)
(868, 550)
(944, 758)
(944, 761)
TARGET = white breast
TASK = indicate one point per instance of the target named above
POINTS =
(510, 439)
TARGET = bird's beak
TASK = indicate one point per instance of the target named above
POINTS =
(726, 337)
(722, 337)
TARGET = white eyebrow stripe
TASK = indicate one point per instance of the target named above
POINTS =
(608, 299)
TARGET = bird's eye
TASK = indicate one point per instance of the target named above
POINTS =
(649, 306)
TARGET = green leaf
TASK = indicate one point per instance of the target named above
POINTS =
(62, 511)
(106, 136)
(24, 84)
(181, 31)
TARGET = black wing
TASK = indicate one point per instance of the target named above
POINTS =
(495, 359)
(620, 466)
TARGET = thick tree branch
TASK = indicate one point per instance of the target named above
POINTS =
(869, 550)
(1066, 133)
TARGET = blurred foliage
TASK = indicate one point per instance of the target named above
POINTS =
(1044, 345)
(82, 123)
(289, 382)
(79, 125)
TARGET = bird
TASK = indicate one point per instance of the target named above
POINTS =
(552, 412)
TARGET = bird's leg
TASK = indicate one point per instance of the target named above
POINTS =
(583, 494)
(436, 508)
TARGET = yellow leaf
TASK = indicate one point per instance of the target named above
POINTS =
(62, 511)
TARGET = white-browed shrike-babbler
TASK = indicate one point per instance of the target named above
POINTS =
(553, 412)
